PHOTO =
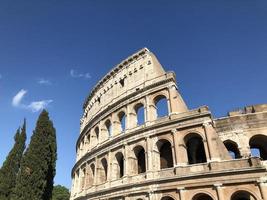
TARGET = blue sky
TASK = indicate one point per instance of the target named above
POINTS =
(53, 52)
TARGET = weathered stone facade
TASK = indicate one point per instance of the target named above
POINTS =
(126, 151)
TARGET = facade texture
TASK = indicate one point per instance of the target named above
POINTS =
(128, 150)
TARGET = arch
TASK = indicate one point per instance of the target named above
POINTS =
(82, 184)
(161, 105)
(91, 175)
(122, 120)
(202, 196)
(108, 127)
(242, 195)
(167, 198)
(119, 165)
(103, 170)
(140, 164)
(195, 148)
(258, 146)
(95, 137)
(140, 114)
(165, 153)
(232, 148)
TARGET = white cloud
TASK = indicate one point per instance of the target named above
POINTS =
(43, 81)
(74, 74)
(34, 106)
(18, 97)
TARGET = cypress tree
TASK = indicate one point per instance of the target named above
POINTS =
(38, 166)
(10, 168)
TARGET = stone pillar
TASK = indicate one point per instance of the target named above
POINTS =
(96, 172)
(149, 158)
(210, 137)
(181, 192)
(219, 190)
(181, 151)
(131, 118)
(150, 110)
(174, 147)
(109, 167)
(126, 164)
(263, 188)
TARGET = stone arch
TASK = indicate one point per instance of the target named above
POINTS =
(83, 178)
(140, 160)
(167, 197)
(202, 196)
(103, 170)
(195, 148)
(258, 146)
(165, 157)
(95, 136)
(122, 121)
(118, 165)
(140, 113)
(161, 106)
(242, 195)
(108, 128)
(91, 175)
(232, 148)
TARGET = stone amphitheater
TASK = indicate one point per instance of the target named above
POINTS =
(130, 149)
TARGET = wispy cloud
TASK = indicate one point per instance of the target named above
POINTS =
(34, 106)
(43, 81)
(75, 74)
(16, 101)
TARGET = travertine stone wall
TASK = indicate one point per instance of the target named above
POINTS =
(182, 155)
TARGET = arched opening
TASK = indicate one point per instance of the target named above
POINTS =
(232, 148)
(108, 128)
(103, 171)
(161, 105)
(165, 151)
(91, 175)
(167, 198)
(83, 178)
(195, 149)
(140, 114)
(140, 159)
(242, 195)
(202, 196)
(95, 137)
(120, 165)
(258, 146)
(122, 119)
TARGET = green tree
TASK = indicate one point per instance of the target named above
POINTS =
(60, 193)
(38, 165)
(10, 168)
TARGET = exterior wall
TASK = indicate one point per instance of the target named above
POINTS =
(178, 156)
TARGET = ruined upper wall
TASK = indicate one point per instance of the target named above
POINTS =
(254, 116)
(130, 75)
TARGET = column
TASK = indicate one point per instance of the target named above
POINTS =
(181, 191)
(263, 188)
(96, 173)
(174, 147)
(210, 137)
(149, 158)
(219, 190)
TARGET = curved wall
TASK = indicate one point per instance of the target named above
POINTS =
(128, 150)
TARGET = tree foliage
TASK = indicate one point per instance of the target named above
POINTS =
(35, 178)
(60, 193)
(11, 165)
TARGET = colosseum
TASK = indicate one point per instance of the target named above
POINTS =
(139, 141)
